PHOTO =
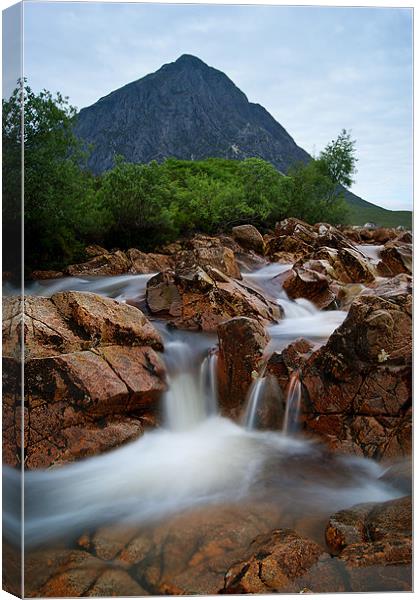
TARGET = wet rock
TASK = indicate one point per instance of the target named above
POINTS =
(374, 543)
(285, 248)
(400, 475)
(400, 284)
(300, 282)
(202, 299)
(114, 582)
(111, 263)
(357, 388)
(206, 251)
(275, 561)
(282, 364)
(345, 265)
(42, 275)
(95, 250)
(242, 343)
(106, 321)
(61, 573)
(249, 237)
(93, 380)
(142, 262)
(395, 259)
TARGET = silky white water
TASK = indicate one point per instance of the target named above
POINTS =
(197, 457)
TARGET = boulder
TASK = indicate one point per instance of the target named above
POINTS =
(143, 262)
(43, 275)
(395, 258)
(249, 237)
(242, 342)
(115, 263)
(301, 282)
(345, 265)
(93, 379)
(95, 250)
(374, 539)
(202, 299)
(357, 388)
(275, 561)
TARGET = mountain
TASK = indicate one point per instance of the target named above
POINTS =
(187, 110)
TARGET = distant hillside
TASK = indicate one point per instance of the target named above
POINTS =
(188, 110)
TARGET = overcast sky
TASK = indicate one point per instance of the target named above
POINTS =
(316, 70)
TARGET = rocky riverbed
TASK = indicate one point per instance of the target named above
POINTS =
(159, 392)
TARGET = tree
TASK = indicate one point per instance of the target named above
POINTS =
(137, 199)
(262, 187)
(60, 203)
(339, 159)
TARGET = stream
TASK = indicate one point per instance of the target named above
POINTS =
(197, 458)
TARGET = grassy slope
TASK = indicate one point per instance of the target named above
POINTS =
(385, 218)
(362, 212)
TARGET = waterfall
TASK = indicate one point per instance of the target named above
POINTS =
(209, 383)
(293, 405)
(255, 394)
(189, 398)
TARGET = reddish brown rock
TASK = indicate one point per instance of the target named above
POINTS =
(112, 263)
(374, 543)
(142, 262)
(395, 258)
(202, 299)
(345, 265)
(95, 250)
(362, 379)
(242, 344)
(300, 282)
(41, 275)
(106, 321)
(283, 364)
(249, 237)
(93, 380)
(275, 561)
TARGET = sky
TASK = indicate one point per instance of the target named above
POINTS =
(315, 69)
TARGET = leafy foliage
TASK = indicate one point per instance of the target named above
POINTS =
(144, 205)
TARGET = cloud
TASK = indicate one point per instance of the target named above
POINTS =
(316, 69)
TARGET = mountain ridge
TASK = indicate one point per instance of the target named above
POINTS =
(188, 110)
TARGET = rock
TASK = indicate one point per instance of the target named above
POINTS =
(114, 582)
(345, 265)
(374, 540)
(395, 259)
(400, 284)
(205, 251)
(142, 262)
(282, 364)
(400, 475)
(382, 235)
(61, 573)
(202, 299)
(93, 380)
(285, 248)
(249, 237)
(95, 250)
(300, 282)
(276, 560)
(357, 388)
(242, 343)
(42, 275)
(106, 321)
(115, 263)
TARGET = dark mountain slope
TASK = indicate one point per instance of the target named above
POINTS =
(185, 110)
(191, 111)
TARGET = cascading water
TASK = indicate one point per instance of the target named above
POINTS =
(255, 395)
(293, 405)
(209, 383)
(199, 457)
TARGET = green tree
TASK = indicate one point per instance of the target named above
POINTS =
(138, 200)
(60, 203)
(262, 188)
(339, 159)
